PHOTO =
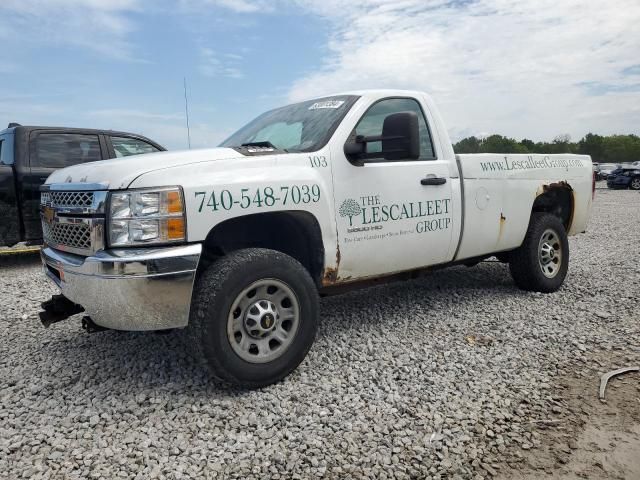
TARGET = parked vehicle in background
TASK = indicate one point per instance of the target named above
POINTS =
(28, 155)
(606, 169)
(235, 243)
(623, 178)
(597, 172)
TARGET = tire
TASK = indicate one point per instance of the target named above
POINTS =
(545, 249)
(250, 297)
(635, 183)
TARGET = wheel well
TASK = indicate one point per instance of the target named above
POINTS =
(557, 200)
(293, 233)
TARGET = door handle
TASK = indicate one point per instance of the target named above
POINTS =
(433, 181)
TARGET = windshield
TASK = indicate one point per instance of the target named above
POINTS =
(301, 127)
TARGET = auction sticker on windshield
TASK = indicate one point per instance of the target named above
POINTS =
(327, 104)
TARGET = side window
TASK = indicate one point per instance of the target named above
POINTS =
(59, 150)
(124, 146)
(6, 150)
(371, 124)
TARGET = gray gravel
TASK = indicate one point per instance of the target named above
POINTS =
(438, 377)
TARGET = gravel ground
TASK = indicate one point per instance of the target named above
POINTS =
(444, 376)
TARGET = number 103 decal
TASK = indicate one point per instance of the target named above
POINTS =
(318, 161)
(257, 197)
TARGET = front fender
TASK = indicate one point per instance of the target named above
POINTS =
(230, 189)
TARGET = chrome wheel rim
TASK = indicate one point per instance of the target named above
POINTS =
(263, 321)
(550, 253)
(635, 183)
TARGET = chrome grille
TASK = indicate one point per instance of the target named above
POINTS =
(66, 199)
(74, 235)
(73, 220)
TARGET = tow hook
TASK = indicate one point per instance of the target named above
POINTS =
(90, 327)
(57, 309)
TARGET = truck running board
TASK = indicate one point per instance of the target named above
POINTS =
(57, 309)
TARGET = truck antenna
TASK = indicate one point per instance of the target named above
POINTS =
(186, 110)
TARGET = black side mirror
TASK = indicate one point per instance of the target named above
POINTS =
(400, 136)
(400, 140)
(356, 148)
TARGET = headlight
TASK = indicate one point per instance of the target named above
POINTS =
(146, 217)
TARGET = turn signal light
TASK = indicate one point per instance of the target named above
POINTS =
(175, 229)
(174, 202)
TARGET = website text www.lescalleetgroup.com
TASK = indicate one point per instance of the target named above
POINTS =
(530, 163)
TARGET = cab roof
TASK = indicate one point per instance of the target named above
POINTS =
(377, 93)
(12, 127)
(25, 130)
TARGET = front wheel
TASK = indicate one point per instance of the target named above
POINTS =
(541, 263)
(635, 183)
(254, 316)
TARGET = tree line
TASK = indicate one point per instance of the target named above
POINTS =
(603, 149)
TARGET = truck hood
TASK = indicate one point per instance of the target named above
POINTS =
(119, 173)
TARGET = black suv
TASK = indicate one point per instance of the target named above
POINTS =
(28, 155)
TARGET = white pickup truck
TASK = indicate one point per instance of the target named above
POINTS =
(234, 244)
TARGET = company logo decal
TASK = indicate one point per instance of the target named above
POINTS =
(350, 208)
(369, 213)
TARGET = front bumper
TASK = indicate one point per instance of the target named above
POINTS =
(128, 289)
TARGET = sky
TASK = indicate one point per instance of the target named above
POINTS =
(526, 69)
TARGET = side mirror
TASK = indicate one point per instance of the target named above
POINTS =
(400, 136)
(400, 140)
(355, 149)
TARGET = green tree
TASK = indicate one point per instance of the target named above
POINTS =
(622, 148)
(500, 144)
(468, 145)
(593, 145)
(612, 148)
(561, 144)
(528, 144)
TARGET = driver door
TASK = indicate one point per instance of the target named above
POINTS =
(392, 215)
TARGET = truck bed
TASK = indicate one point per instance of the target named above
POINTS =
(498, 192)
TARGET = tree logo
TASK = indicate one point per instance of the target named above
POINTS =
(349, 208)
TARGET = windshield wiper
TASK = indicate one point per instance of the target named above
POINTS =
(265, 144)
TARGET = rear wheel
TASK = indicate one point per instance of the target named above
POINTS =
(542, 261)
(254, 316)
(635, 183)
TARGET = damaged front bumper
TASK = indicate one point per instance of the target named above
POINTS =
(128, 289)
